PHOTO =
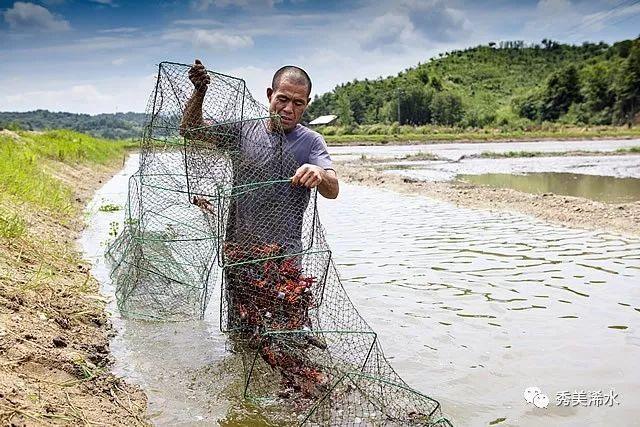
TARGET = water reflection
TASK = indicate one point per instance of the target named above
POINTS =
(602, 188)
(475, 306)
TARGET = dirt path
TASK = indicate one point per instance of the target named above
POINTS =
(571, 211)
(54, 332)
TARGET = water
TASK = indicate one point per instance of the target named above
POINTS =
(183, 367)
(475, 306)
(472, 307)
(627, 166)
(601, 188)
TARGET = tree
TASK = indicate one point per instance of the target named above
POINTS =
(562, 90)
(529, 106)
(423, 75)
(344, 111)
(446, 109)
(415, 105)
(628, 87)
(598, 92)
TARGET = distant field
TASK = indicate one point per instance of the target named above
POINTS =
(424, 134)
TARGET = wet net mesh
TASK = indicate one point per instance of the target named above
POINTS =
(212, 203)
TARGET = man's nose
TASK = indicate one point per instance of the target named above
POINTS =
(288, 107)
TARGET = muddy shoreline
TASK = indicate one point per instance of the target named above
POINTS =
(578, 212)
(54, 332)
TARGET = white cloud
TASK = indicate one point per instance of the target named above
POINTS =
(412, 20)
(202, 5)
(388, 29)
(553, 7)
(437, 21)
(598, 21)
(105, 2)
(118, 61)
(83, 96)
(210, 39)
(29, 16)
(257, 79)
(119, 30)
(552, 19)
(94, 97)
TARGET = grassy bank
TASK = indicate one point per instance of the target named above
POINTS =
(53, 328)
(28, 162)
(510, 154)
(390, 134)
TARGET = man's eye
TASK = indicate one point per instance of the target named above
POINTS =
(282, 99)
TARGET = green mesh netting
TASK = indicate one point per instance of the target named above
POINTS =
(213, 203)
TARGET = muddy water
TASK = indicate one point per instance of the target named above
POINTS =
(627, 166)
(472, 307)
(602, 188)
(183, 367)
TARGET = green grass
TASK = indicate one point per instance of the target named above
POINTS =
(11, 225)
(424, 134)
(494, 155)
(508, 154)
(23, 164)
(73, 147)
(635, 149)
(109, 207)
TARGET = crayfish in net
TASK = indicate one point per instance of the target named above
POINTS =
(267, 293)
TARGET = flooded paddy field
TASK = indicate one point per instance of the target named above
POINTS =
(627, 166)
(472, 307)
(476, 306)
(454, 151)
(612, 179)
(606, 189)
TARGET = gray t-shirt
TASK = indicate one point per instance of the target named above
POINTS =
(308, 146)
(272, 213)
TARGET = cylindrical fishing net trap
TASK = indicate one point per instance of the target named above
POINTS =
(213, 203)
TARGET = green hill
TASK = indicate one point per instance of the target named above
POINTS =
(498, 84)
(112, 126)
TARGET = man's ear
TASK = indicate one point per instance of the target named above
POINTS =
(269, 93)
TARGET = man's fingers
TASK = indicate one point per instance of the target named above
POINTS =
(314, 182)
(295, 179)
(308, 174)
(310, 179)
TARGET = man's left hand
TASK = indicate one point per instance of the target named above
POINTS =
(307, 175)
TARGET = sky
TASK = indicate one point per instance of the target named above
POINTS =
(101, 56)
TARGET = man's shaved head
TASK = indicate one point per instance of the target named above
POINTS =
(293, 74)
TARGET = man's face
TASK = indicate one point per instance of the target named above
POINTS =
(289, 101)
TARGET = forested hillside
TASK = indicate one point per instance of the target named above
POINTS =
(499, 84)
(113, 126)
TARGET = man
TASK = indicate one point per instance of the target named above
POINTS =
(288, 98)
(267, 216)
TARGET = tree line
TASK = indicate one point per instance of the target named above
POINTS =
(112, 126)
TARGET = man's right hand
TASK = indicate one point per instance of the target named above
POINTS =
(199, 76)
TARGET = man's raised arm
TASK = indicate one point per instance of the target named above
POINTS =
(192, 117)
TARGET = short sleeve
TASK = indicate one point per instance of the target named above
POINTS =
(319, 155)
